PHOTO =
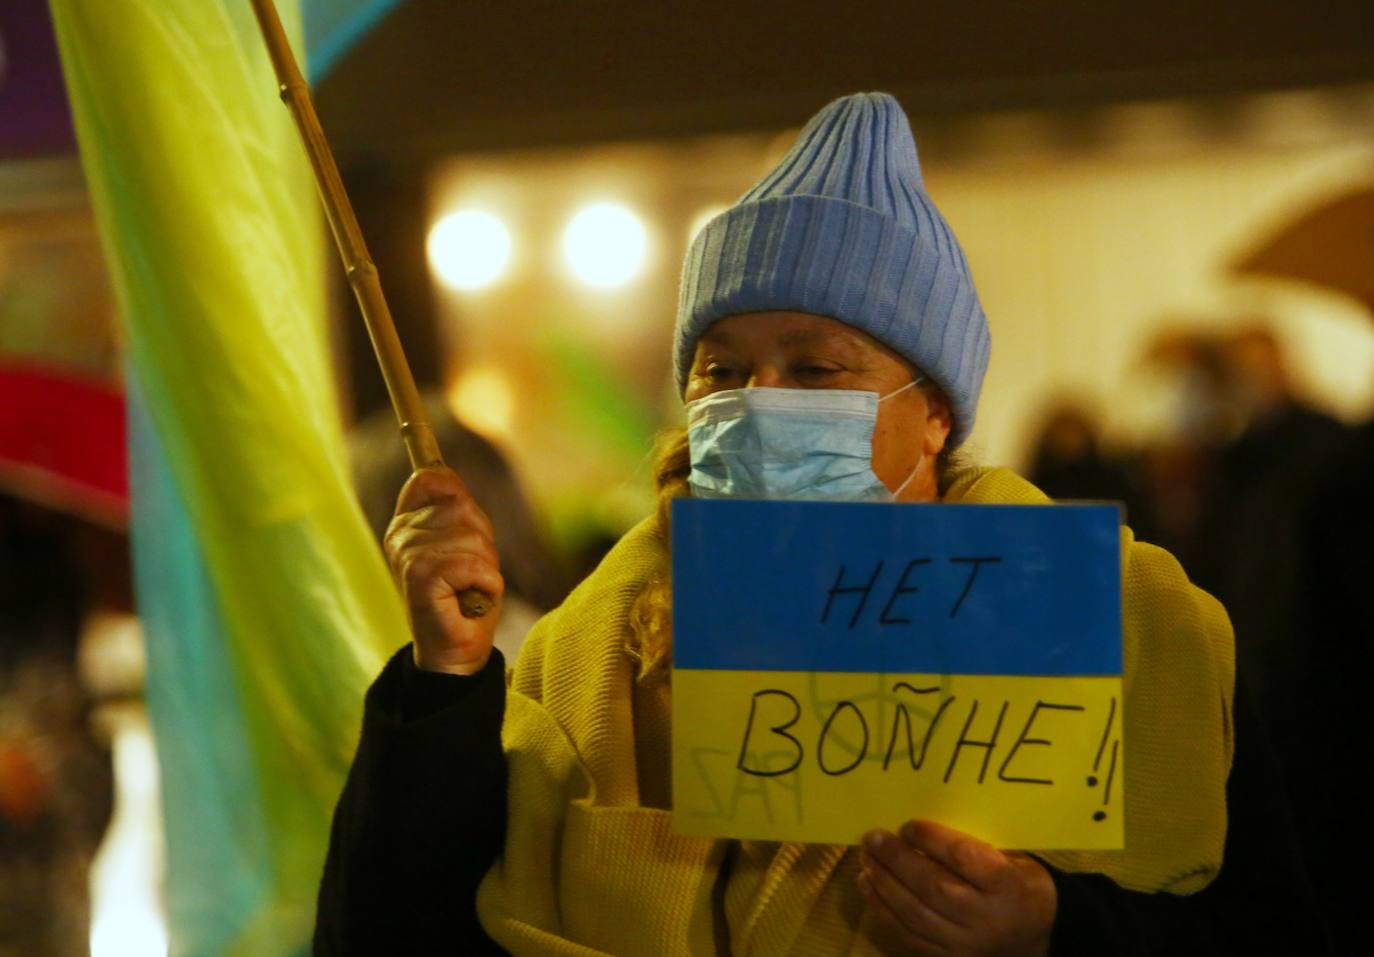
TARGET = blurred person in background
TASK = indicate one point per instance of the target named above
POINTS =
(1265, 479)
(1321, 715)
(1242, 484)
(1317, 644)
(1068, 462)
(1274, 420)
(56, 793)
(1293, 528)
(1189, 417)
(535, 580)
(834, 280)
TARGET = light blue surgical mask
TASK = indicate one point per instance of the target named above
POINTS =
(811, 444)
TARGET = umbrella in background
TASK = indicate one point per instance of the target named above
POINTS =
(1330, 245)
(62, 442)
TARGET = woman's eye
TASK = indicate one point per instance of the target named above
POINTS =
(815, 372)
(720, 373)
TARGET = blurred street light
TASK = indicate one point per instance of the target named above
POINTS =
(605, 245)
(126, 875)
(483, 399)
(469, 249)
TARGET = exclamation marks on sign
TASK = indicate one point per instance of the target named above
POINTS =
(1101, 815)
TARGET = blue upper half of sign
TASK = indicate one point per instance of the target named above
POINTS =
(926, 589)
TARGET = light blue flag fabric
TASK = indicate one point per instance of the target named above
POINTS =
(190, 686)
(332, 27)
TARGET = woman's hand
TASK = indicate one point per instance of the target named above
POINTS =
(934, 890)
(439, 544)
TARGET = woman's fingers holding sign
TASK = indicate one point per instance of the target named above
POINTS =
(440, 544)
(934, 890)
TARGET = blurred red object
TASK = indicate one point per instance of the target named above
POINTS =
(23, 785)
(63, 443)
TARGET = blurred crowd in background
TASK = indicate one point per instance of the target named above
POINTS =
(1239, 439)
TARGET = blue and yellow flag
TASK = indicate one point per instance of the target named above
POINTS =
(266, 604)
(839, 667)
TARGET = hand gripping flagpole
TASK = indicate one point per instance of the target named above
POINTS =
(421, 445)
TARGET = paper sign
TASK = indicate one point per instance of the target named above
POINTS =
(840, 667)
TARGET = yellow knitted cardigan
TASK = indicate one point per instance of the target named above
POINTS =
(591, 865)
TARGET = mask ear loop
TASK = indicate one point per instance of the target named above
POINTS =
(910, 385)
(902, 488)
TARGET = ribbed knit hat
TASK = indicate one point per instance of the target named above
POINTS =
(843, 228)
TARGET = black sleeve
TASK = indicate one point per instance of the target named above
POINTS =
(1094, 916)
(1098, 917)
(421, 818)
(1261, 902)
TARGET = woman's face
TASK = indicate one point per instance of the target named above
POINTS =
(798, 350)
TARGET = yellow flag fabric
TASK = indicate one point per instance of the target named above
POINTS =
(210, 224)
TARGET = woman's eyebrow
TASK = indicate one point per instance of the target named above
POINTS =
(819, 338)
(813, 338)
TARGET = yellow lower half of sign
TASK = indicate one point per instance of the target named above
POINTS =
(1021, 762)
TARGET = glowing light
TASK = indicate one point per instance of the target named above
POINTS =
(469, 249)
(126, 873)
(129, 932)
(703, 217)
(483, 398)
(605, 245)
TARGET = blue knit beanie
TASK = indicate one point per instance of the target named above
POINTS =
(843, 228)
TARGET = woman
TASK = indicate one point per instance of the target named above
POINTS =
(832, 292)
